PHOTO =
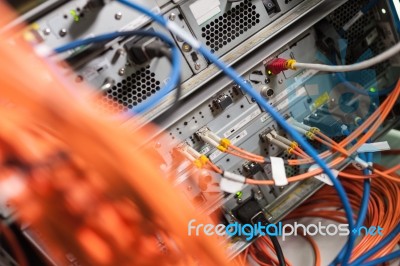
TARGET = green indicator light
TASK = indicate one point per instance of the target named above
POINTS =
(74, 15)
(239, 194)
(372, 90)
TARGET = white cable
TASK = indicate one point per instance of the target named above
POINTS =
(210, 141)
(193, 152)
(299, 129)
(283, 140)
(213, 136)
(359, 66)
(293, 121)
(188, 156)
(279, 144)
(303, 126)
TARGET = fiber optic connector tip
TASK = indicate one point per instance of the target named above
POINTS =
(278, 65)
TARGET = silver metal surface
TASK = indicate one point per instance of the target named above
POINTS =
(273, 45)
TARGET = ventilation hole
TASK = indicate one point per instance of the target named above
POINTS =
(340, 17)
(130, 92)
(230, 25)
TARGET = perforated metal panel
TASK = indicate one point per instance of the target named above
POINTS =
(132, 84)
(229, 26)
(234, 24)
(132, 91)
(342, 15)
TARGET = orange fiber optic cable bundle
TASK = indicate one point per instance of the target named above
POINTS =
(81, 180)
(382, 209)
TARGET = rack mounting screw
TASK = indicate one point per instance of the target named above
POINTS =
(118, 16)
(172, 16)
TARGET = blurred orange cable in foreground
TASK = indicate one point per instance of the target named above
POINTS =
(83, 181)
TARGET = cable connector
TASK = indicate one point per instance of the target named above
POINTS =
(225, 142)
(201, 161)
(314, 130)
(290, 150)
(145, 49)
(269, 137)
(214, 140)
(198, 159)
(278, 65)
(310, 135)
(290, 64)
(222, 148)
(294, 145)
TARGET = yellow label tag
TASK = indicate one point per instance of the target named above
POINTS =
(321, 100)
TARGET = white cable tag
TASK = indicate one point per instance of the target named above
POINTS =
(359, 163)
(234, 177)
(278, 171)
(203, 10)
(323, 177)
(230, 186)
(374, 147)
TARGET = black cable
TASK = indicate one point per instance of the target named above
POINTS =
(278, 250)
(152, 50)
(275, 242)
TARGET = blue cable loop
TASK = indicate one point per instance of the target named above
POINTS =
(176, 62)
(363, 208)
(383, 259)
(380, 245)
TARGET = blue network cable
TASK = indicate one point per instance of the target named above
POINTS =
(363, 207)
(258, 98)
(380, 245)
(176, 62)
(383, 259)
(361, 217)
